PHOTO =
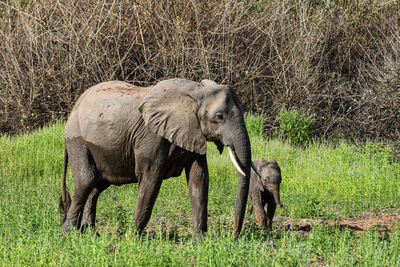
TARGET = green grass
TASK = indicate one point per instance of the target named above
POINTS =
(319, 182)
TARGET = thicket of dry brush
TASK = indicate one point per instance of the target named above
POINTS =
(337, 59)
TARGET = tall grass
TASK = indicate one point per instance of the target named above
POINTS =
(320, 181)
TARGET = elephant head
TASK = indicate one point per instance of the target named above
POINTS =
(188, 114)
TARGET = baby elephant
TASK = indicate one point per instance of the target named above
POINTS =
(265, 189)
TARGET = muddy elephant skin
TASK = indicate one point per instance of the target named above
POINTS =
(265, 190)
(118, 133)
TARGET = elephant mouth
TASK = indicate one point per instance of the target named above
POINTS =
(220, 146)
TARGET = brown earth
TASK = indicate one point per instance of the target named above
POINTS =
(385, 221)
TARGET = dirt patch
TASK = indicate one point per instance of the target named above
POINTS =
(382, 220)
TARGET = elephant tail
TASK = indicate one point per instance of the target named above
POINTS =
(65, 198)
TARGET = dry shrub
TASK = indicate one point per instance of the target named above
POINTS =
(336, 59)
(53, 50)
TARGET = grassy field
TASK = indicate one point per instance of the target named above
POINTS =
(327, 189)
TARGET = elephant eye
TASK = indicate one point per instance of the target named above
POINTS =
(218, 117)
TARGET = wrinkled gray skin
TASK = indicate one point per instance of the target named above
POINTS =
(118, 133)
(265, 190)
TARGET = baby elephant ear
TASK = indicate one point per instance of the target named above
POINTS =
(257, 179)
(171, 112)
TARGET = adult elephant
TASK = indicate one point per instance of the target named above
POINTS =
(118, 133)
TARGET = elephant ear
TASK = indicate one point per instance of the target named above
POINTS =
(171, 112)
(237, 100)
(206, 82)
(258, 184)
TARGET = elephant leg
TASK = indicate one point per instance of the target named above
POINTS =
(197, 178)
(89, 212)
(270, 213)
(259, 212)
(84, 172)
(147, 195)
(261, 217)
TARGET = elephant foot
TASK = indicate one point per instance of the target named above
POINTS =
(69, 224)
(261, 222)
(199, 236)
(138, 230)
(83, 228)
(85, 225)
(66, 228)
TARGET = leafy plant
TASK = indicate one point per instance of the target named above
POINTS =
(254, 124)
(295, 127)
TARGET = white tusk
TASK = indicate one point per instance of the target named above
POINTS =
(234, 161)
(255, 169)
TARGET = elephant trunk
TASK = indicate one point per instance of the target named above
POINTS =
(275, 193)
(242, 152)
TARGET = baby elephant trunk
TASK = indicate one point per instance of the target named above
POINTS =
(274, 188)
